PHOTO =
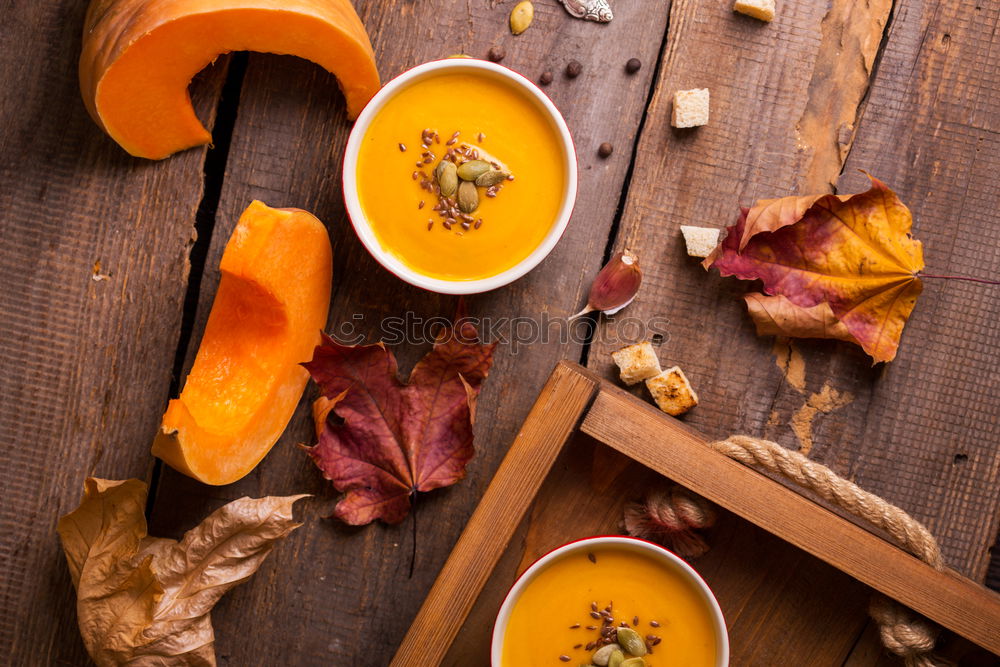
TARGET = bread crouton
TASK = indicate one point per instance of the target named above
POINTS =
(690, 108)
(672, 391)
(758, 9)
(700, 241)
(636, 362)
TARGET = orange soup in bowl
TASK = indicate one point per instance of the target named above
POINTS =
(462, 173)
(611, 596)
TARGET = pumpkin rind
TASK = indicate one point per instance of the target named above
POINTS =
(138, 57)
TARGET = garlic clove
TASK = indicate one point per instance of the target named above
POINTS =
(615, 285)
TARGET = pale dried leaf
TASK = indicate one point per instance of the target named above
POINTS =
(146, 601)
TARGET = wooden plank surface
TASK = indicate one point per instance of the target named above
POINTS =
(788, 100)
(94, 267)
(286, 150)
(86, 364)
(926, 434)
(641, 432)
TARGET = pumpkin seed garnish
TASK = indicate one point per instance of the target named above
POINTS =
(468, 197)
(446, 175)
(521, 16)
(492, 177)
(634, 662)
(602, 655)
(616, 659)
(631, 641)
(473, 169)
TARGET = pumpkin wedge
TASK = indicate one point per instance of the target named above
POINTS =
(246, 381)
(139, 56)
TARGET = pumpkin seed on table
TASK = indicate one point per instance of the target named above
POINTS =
(468, 197)
(521, 16)
(492, 177)
(473, 169)
(446, 175)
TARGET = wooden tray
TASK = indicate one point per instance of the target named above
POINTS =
(584, 445)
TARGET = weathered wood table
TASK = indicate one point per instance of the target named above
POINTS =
(109, 264)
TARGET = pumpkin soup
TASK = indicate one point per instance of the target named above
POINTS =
(576, 605)
(461, 175)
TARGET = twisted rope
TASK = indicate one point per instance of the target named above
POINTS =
(904, 633)
(672, 516)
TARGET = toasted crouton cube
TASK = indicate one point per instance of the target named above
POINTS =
(672, 391)
(690, 108)
(759, 9)
(636, 362)
(700, 241)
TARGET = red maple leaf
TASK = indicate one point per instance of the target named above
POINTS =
(394, 439)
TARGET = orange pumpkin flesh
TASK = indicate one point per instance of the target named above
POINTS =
(139, 56)
(246, 380)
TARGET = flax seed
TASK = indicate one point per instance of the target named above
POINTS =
(421, 204)
(574, 626)
(479, 223)
(564, 658)
(655, 624)
(480, 137)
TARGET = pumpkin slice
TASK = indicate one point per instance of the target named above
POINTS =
(272, 303)
(139, 56)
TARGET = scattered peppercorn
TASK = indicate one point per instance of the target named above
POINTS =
(545, 79)
(633, 65)
(496, 54)
(605, 149)
(573, 69)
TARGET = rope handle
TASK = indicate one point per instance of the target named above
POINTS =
(907, 531)
(904, 633)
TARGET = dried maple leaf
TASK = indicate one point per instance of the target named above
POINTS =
(146, 601)
(854, 254)
(393, 439)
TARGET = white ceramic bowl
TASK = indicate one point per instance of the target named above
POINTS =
(668, 559)
(363, 227)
